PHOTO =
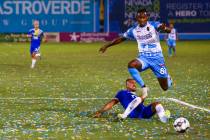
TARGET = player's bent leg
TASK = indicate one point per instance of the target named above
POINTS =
(163, 83)
(33, 57)
(158, 108)
(135, 64)
(134, 67)
(169, 51)
(159, 69)
(38, 55)
(174, 50)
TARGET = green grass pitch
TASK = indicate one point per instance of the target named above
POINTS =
(77, 70)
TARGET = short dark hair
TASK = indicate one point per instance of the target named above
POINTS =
(128, 80)
(142, 10)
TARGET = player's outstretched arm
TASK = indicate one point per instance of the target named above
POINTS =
(105, 108)
(28, 35)
(114, 42)
(164, 28)
(44, 39)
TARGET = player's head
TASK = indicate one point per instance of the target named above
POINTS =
(171, 25)
(131, 84)
(142, 17)
(36, 24)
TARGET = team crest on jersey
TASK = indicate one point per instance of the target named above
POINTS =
(144, 37)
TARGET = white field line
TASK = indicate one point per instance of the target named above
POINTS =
(75, 99)
(187, 104)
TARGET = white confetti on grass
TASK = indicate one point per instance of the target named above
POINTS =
(84, 99)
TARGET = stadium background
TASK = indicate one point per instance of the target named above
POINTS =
(100, 20)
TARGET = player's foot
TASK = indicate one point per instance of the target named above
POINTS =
(168, 114)
(145, 91)
(121, 116)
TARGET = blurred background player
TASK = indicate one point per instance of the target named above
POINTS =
(150, 53)
(36, 35)
(171, 40)
(133, 105)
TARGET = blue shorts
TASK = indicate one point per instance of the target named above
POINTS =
(147, 112)
(155, 62)
(34, 49)
(171, 43)
(142, 112)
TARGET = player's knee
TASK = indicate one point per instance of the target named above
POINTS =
(155, 104)
(33, 55)
(165, 88)
(133, 64)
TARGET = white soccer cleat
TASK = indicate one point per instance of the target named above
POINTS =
(121, 116)
(167, 114)
(145, 91)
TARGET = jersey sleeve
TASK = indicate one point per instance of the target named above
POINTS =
(155, 24)
(118, 95)
(42, 34)
(129, 33)
(30, 32)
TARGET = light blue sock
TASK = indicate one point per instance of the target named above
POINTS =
(136, 76)
(170, 82)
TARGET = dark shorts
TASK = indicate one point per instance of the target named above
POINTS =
(147, 112)
(34, 49)
(142, 112)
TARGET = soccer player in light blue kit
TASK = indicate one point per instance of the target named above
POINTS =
(36, 36)
(134, 105)
(171, 40)
(150, 53)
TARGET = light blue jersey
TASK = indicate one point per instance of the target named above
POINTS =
(147, 37)
(171, 40)
(36, 40)
(172, 34)
(150, 51)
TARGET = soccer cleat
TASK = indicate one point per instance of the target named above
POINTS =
(145, 91)
(121, 116)
(167, 113)
(32, 66)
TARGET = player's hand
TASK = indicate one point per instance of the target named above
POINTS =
(44, 40)
(97, 115)
(102, 49)
(28, 35)
(163, 26)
